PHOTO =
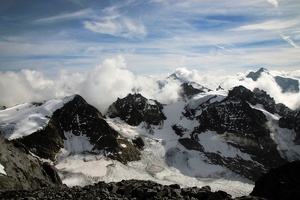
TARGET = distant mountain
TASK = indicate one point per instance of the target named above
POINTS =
(135, 109)
(287, 84)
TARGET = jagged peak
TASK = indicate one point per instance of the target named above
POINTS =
(255, 75)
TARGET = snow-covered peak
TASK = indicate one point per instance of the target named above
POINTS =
(26, 118)
(210, 97)
(287, 84)
(256, 75)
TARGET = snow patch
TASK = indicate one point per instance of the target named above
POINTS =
(215, 143)
(212, 96)
(77, 143)
(2, 171)
(86, 166)
(27, 118)
(123, 145)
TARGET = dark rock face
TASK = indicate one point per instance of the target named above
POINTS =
(188, 90)
(78, 118)
(292, 122)
(290, 119)
(135, 108)
(280, 183)
(23, 170)
(287, 84)
(255, 75)
(130, 189)
(243, 127)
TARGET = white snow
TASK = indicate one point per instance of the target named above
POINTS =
(123, 145)
(212, 96)
(77, 170)
(151, 102)
(284, 138)
(189, 168)
(26, 118)
(216, 143)
(77, 143)
(90, 166)
(2, 171)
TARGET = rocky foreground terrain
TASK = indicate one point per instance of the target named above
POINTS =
(278, 184)
(129, 189)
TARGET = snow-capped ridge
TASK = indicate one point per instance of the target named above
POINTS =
(24, 119)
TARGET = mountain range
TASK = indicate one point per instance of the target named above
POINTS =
(225, 138)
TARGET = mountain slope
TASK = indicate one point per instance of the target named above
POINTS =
(135, 108)
(79, 127)
(22, 170)
(238, 130)
(223, 138)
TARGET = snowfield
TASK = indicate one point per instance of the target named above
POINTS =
(26, 118)
(163, 159)
(188, 170)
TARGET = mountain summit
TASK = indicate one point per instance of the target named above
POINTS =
(285, 83)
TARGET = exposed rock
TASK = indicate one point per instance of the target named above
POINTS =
(135, 108)
(190, 89)
(280, 183)
(241, 126)
(23, 170)
(292, 122)
(130, 189)
(79, 119)
(255, 75)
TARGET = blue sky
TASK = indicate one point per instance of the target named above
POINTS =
(153, 36)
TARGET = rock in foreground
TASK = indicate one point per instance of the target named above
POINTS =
(280, 183)
(129, 189)
(24, 171)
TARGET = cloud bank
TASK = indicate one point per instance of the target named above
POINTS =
(112, 79)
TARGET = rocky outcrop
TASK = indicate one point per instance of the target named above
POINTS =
(243, 128)
(189, 89)
(24, 172)
(79, 119)
(289, 118)
(129, 189)
(280, 183)
(292, 122)
(135, 108)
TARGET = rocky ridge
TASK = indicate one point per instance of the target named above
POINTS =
(135, 109)
(242, 126)
(79, 121)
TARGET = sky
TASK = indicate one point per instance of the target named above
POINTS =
(105, 49)
(153, 36)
